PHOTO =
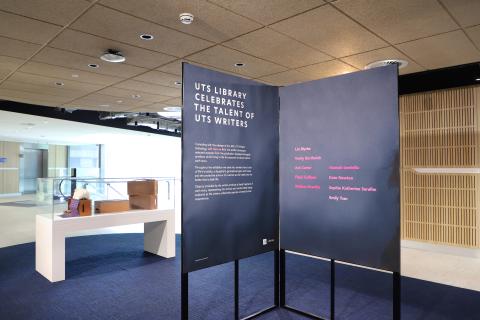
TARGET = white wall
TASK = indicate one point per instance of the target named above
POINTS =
(149, 156)
(146, 156)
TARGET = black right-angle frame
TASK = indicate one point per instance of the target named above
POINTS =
(396, 312)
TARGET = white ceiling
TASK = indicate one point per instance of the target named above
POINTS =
(280, 41)
(34, 129)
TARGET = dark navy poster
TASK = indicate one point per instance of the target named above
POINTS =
(229, 168)
(339, 179)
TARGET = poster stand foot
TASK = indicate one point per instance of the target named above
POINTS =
(184, 296)
(184, 293)
(300, 312)
(275, 289)
(279, 290)
(396, 296)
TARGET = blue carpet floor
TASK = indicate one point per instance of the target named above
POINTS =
(110, 277)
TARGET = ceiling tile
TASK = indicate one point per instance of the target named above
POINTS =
(156, 107)
(443, 50)
(399, 20)
(15, 95)
(330, 31)
(82, 105)
(474, 34)
(327, 69)
(58, 72)
(172, 68)
(34, 101)
(211, 22)
(48, 81)
(8, 64)
(466, 12)
(268, 11)
(123, 93)
(149, 88)
(43, 89)
(161, 78)
(37, 101)
(224, 58)
(278, 48)
(16, 48)
(53, 11)
(107, 103)
(118, 26)
(79, 61)
(175, 102)
(286, 78)
(93, 46)
(21, 28)
(361, 60)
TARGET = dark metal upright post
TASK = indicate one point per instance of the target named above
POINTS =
(184, 294)
(276, 284)
(282, 278)
(237, 276)
(332, 289)
(396, 296)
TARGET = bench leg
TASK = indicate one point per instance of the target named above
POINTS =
(49, 251)
(159, 238)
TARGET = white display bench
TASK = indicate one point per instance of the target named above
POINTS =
(159, 235)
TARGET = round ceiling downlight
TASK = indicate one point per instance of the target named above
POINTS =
(177, 83)
(93, 65)
(146, 36)
(59, 84)
(113, 56)
(136, 96)
(239, 64)
(382, 63)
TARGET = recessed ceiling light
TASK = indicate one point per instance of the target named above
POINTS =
(177, 83)
(113, 56)
(136, 96)
(93, 65)
(186, 18)
(146, 36)
(478, 79)
(239, 64)
(59, 84)
(119, 101)
(173, 109)
(104, 105)
(75, 76)
(381, 63)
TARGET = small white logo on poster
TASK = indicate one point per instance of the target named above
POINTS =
(265, 241)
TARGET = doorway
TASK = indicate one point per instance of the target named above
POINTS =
(33, 169)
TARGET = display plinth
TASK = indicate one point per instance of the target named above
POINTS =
(159, 236)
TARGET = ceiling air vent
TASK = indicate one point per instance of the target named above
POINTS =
(387, 62)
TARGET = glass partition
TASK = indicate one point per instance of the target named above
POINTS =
(65, 198)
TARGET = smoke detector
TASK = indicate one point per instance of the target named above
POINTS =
(186, 18)
(382, 63)
(113, 56)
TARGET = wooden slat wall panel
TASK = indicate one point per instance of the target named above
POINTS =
(9, 171)
(440, 130)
